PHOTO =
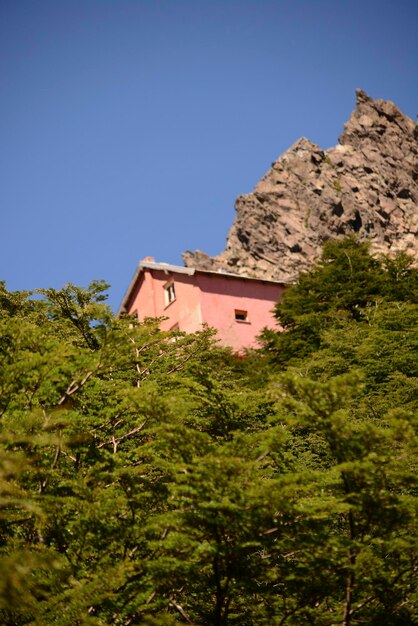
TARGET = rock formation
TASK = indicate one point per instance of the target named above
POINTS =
(367, 184)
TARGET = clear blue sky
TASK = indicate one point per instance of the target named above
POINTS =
(128, 127)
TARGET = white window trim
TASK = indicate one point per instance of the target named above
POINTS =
(169, 293)
(244, 314)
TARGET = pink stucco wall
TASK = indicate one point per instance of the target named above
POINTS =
(207, 298)
(222, 295)
(149, 300)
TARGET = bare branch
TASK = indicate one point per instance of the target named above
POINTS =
(180, 610)
(263, 456)
(115, 441)
(151, 598)
(75, 386)
(70, 456)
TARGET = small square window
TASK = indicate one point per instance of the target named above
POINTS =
(241, 316)
(169, 293)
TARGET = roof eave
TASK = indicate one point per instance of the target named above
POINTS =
(125, 299)
(190, 271)
(149, 265)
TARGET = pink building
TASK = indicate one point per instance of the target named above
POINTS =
(239, 307)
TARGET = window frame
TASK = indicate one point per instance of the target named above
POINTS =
(241, 316)
(169, 293)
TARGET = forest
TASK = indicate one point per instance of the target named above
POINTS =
(155, 478)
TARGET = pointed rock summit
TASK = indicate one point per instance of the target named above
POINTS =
(367, 184)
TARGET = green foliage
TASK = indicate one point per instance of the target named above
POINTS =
(345, 285)
(153, 478)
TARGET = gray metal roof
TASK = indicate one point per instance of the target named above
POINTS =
(190, 271)
(166, 267)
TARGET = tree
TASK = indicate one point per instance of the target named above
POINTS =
(80, 391)
(152, 477)
(366, 497)
(343, 284)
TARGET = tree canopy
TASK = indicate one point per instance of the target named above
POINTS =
(150, 477)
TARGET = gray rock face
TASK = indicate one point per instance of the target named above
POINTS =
(367, 184)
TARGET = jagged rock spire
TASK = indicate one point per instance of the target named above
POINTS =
(367, 184)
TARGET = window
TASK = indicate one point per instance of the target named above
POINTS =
(169, 293)
(241, 316)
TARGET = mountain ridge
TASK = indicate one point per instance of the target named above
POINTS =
(366, 184)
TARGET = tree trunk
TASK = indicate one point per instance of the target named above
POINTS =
(350, 578)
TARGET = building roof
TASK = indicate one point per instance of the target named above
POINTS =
(190, 271)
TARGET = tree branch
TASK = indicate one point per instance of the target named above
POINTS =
(75, 386)
(180, 610)
(115, 441)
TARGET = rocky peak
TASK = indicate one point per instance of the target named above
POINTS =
(367, 184)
